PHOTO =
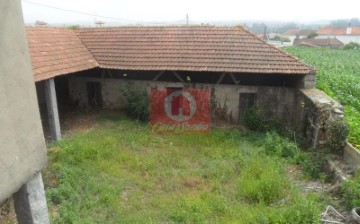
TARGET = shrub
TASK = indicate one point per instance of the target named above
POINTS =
(281, 38)
(254, 119)
(314, 164)
(262, 180)
(137, 102)
(351, 46)
(337, 132)
(279, 146)
(312, 35)
(351, 191)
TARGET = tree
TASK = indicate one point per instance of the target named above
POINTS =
(312, 35)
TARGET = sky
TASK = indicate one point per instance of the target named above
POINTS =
(153, 12)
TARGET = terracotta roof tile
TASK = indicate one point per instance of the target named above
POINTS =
(325, 42)
(338, 31)
(57, 51)
(294, 32)
(187, 48)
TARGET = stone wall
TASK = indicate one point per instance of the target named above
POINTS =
(322, 121)
(277, 101)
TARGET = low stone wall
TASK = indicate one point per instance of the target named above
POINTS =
(352, 156)
(323, 122)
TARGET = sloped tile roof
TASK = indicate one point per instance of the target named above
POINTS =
(57, 51)
(294, 32)
(338, 31)
(325, 42)
(187, 48)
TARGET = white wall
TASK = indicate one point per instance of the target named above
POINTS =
(343, 38)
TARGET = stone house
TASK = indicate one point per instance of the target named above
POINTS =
(87, 67)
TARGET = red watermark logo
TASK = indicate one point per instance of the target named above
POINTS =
(180, 111)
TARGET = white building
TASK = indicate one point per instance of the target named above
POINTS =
(344, 34)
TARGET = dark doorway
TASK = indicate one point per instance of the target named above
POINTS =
(247, 100)
(62, 93)
(94, 94)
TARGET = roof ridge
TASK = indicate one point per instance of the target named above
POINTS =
(76, 35)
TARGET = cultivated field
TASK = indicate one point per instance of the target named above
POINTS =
(339, 76)
(119, 172)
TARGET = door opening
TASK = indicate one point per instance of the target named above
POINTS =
(94, 94)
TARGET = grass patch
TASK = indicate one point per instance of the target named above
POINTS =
(121, 173)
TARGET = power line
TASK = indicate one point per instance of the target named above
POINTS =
(88, 14)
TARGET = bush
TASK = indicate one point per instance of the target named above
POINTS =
(254, 119)
(312, 35)
(279, 146)
(314, 164)
(281, 38)
(337, 132)
(262, 180)
(137, 102)
(351, 191)
(351, 46)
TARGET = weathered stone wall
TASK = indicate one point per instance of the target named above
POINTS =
(278, 101)
(322, 121)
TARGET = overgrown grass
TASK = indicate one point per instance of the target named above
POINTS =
(121, 173)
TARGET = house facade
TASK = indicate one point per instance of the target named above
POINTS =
(88, 67)
(344, 34)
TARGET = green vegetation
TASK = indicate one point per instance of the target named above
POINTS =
(73, 27)
(137, 102)
(351, 46)
(281, 38)
(312, 35)
(351, 191)
(119, 172)
(339, 76)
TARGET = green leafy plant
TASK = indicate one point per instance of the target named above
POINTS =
(279, 146)
(281, 38)
(351, 46)
(137, 102)
(312, 35)
(337, 132)
(254, 119)
(351, 191)
(314, 164)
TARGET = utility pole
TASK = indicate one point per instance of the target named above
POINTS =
(187, 19)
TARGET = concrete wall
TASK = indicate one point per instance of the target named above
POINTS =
(22, 145)
(352, 156)
(276, 100)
